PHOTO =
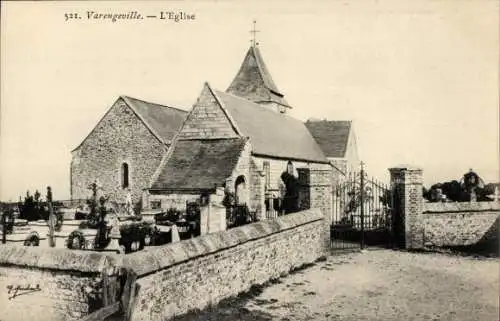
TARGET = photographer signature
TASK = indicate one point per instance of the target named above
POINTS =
(18, 290)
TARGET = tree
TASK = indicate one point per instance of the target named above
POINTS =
(456, 191)
(29, 210)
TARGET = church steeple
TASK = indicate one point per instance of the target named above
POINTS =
(254, 82)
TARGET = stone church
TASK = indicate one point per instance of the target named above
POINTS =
(240, 140)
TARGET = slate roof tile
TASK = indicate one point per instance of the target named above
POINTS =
(332, 136)
(254, 82)
(199, 164)
(271, 133)
(164, 121)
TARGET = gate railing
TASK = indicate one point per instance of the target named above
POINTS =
(361, 212)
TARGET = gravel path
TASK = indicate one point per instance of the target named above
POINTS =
(376, 285)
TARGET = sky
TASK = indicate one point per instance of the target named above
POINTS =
(419, 79)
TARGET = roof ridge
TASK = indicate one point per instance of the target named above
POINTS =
(226, 112)
(148, 102)
(267, 109)
(212, 139)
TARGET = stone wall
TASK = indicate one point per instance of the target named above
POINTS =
(459, 224)
(257, 190)
(192, 274)
(119, 137)
(207, 120)
(172, 200)
(55, 284)
(340, 164)
(242, 168)
(420, 225)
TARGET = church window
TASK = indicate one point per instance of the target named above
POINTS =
(240, 187)
(125, 175)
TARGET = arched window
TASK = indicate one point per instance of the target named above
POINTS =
(240, 187)
(125, 175)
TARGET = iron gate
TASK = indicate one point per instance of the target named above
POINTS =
(363, 213)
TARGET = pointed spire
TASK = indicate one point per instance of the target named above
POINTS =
(254, 82)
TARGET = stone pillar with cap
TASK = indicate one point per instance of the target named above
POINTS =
(406, 185)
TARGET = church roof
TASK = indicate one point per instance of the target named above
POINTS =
(196, 165)
(254, 81)
(163, 121)
(331, 135)
(271, 134)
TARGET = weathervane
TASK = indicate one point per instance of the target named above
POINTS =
(254, 32)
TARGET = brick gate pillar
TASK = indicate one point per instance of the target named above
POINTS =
(316, 192)
(406, 186)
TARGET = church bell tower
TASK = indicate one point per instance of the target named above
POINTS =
(254, 82)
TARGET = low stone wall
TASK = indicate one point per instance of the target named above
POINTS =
(177, 201)
(176, 278)
(54, 284)
(459, 224)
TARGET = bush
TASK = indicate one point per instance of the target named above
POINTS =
(241, 215)
(135, 232)
(30, 208)
(171, 216)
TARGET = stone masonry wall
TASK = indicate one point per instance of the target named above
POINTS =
(277, 167)
(242, 168)
(438, 224)
(316, 190)
(64, 285)
(191, 274)
(257, 190)
(207, 120)
(119, 137)
(459, 224)
(172, 200)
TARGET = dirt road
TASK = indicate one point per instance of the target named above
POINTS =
(376, 285)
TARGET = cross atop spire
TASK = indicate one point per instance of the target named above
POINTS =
(254, 32)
